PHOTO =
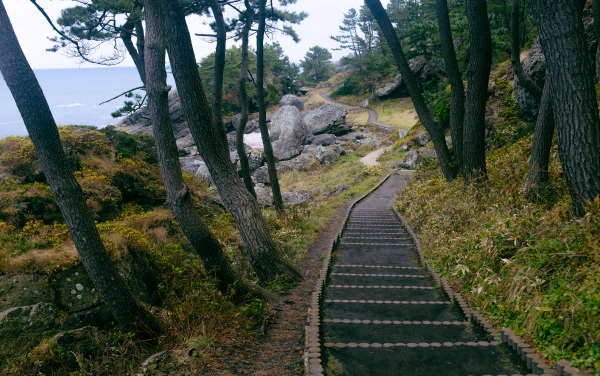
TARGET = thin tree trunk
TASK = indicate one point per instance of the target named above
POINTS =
(571, 76)
(217, 100)
(125, 35)
(244, 165)
(478, 75)
(205, 243)
(457, 103)
(262, 109)
(542, 143)
(515, 56)
(431, 125)
(140, 43)
(265, 258)
(68, 194)
(596, 10)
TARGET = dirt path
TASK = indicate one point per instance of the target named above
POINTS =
(383, 314)
(371, 158)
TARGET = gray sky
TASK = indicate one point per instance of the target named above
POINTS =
(32, 29)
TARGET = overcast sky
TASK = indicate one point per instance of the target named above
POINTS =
(32, 30)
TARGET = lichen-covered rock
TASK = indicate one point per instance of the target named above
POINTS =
(300, 163)
(324, 140)
(397, 87)
(190, 164)
(292, 100)
(261, 175)
(75, 290)
(329, 118)
(288, 133)
(426, 152)
(535, 66)
(423, 138)
(203, 174)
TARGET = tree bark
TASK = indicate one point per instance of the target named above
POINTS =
(542, 143)
(262, 109)
(431, 125)
(596, 10)
(125, 35)
(515, 56)
(217, 100)
(457, 103)
(265, 258)
(68, 194)
(205, 243)
(572, 82)
(244, 165)
(140, 43)
(478, 75)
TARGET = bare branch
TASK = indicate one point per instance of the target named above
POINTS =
(126, 92)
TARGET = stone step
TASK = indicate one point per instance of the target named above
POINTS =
(377, 255)
(379, 279)
(368, 292)
(388, 331)
(403, 310)
(455, 360)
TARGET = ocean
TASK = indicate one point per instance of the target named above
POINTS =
(74, 96)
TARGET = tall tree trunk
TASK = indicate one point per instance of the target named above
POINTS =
(265, 258)
(140, 43)
(262, 108)
(244, 165)
(571, 76)
(596, 10)
(205, 243)
(457, 104)
(217, 100)
(478, 75)
(68, 194)
(542, 143)
(515, 56)
(431, 125)
(125, 35)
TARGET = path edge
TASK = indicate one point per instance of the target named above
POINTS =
(312, 353)
(535, 362)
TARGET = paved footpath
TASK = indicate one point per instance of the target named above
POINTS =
(382, 314)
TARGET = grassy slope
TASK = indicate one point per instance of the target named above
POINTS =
(120, 176)
(527, 266)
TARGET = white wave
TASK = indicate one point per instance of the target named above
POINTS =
(8, 122)
(70, 105)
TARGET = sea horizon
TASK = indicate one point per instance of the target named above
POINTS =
(74, 96)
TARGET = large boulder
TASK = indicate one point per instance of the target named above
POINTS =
(261, 175)
(397, 88)
(251, 125)
(324, 140)
(300, 163)
(412, 158)
(535, 66)
(329, 118)
(292, 100)
(325, 154)
(263, 196)
(203, 174)
(288, 133)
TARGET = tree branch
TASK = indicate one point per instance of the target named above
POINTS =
(128, 91)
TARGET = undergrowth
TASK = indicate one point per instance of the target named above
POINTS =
(528, 266)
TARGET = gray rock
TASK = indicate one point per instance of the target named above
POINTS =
(326, 154)
(292, 100)
(329, 118)
(255, 159)
(535, 66)
(263, 196)
(412, 158)
(359, 135)
(349, 137)
(423, 138)
(288, 133)
(75, 290)
(191, 164)
(397, 87)
(203, 174)
(324, 139)
(23, 290)
(251, 125)
(364, 103)
(304, 90)
(87, 341)
(336, 191)
(389, 88)
(261, 175)
(426, 152)
(300, 163)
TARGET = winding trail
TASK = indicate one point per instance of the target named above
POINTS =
(383, 313)
(371, 159)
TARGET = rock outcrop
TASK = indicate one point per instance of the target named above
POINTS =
(535, 66)
(329, 118)
(421, 70)
(292, 100)
(288, 133)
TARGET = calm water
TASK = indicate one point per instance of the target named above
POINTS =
(73, 96)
